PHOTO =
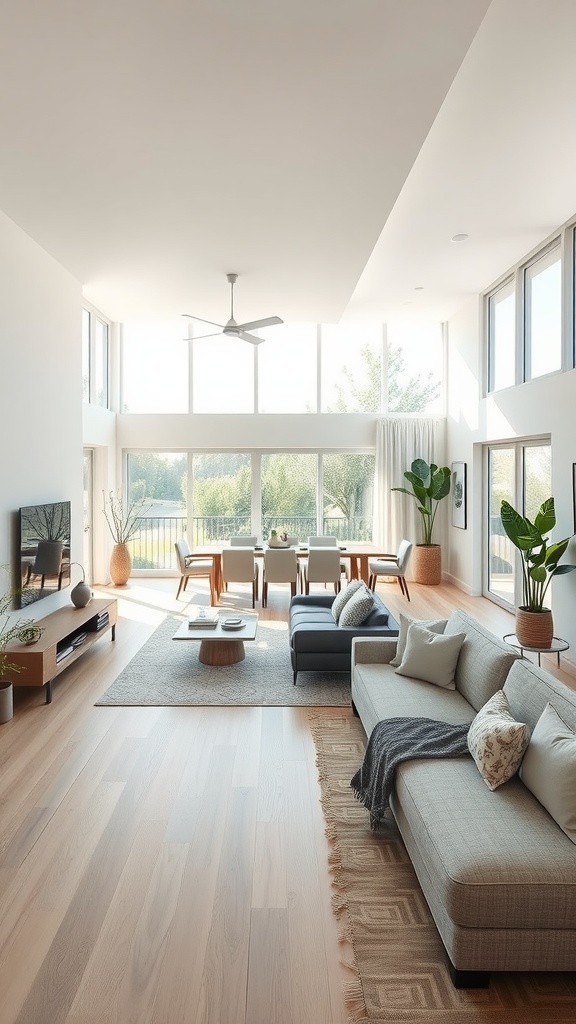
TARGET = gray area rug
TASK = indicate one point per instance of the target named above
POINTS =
(167, 672)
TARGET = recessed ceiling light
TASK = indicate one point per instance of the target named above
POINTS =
(459, 238)
(419, 288)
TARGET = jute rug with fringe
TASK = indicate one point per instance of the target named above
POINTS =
(399, 958)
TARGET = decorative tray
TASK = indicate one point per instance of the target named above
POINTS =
(232, 625)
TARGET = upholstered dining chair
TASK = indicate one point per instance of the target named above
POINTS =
(322, 566)
(193, 565)
(242, 541)
(392, 565)
(240, 566)
(280, 566)
(328, 542)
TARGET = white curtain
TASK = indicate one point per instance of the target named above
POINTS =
(399, 441)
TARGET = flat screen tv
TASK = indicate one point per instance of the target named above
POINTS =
(44, 550)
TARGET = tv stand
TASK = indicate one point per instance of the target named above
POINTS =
(68, 633)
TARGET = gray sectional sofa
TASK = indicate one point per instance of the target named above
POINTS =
(497, 871)
(319, 644)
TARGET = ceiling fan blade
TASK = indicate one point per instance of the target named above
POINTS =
(197, 337)
(192, 317)
(250, 337)
(269, 321)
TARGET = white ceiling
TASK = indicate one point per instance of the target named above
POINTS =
(325, 150)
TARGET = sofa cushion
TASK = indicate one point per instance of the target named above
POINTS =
(436, 625)
(497, 741)
(379, 693)
(549, 769)
(494, 857)
(344, 596)
(358, 608)
(484, 660)
(430, 656)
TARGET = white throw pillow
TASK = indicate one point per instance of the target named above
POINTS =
(344, 596)
(549, 769)
(497, 741)
(358, 608)
(431, 656)
(435, 625)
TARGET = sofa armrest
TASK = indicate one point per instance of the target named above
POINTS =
(373, 650)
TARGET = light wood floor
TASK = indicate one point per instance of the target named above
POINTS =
(169, 865)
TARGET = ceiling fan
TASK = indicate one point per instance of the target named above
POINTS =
(231, 328)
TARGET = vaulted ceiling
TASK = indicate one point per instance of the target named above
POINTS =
(325, 150)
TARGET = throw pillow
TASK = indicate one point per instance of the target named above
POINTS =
(358, 608)
(497, 741)
(549, 769)
(435, 625)
(344, 596)
(430, 656)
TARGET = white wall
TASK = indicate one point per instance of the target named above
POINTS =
(540, 407)
(41, 411)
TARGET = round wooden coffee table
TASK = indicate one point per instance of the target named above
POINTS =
(220, 646)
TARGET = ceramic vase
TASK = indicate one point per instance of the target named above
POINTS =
(120, 565)
(81, 595)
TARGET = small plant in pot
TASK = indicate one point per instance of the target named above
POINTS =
(24, 630)
(429, 485)
(540, 563)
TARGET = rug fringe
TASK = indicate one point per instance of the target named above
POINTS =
(354, 1002)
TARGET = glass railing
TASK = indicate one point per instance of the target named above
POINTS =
(152, 546)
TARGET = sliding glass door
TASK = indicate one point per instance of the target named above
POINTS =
(518, 472)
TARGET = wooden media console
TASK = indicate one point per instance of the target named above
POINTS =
(68, 633)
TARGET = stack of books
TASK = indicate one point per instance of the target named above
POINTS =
(102, 620)
(203, 618)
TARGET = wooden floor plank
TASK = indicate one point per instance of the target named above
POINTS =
(169, 865)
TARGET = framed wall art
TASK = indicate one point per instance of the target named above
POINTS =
(459, 495)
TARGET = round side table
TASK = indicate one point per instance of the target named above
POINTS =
(556, 647)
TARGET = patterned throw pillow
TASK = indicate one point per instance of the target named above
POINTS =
(497, 741)
(358, 608)
(431, 656)
(344, 596)
(549, 769)
(435, 625)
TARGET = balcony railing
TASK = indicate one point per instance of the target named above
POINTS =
(152, 546)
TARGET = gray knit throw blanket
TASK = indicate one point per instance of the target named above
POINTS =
(397, 740)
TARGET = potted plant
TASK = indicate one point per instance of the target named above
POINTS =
(429, 485)
(540, 563)
(123, 522)
(24, 630)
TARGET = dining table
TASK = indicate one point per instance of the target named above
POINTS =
(358, 553)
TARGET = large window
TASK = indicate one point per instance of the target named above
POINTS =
(524, 319)
(209, 497)
(298, 368)
(154, 367)
(95, 358)
(519, 473)
(502, 334)
(543, 314)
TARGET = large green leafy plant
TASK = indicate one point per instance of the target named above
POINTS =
(430, 484)
(539, 558)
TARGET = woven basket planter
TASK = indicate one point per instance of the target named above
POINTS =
(534, 629)
(427, 564)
